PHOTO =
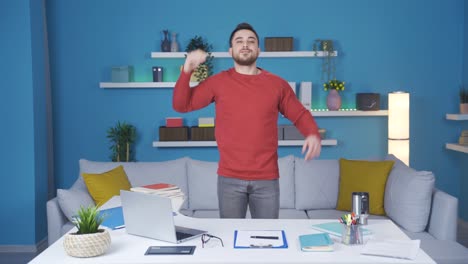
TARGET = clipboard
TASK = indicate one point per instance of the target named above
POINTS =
(256, 239)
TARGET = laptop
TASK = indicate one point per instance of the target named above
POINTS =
(150, 215)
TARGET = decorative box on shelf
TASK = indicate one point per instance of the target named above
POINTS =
(174, 122)
(292, 133)
(278, 44)
(202, 133)
(122, 74)
(173, 133)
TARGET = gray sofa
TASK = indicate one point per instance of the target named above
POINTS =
(309, 189)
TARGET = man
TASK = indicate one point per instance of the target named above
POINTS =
(248, 100)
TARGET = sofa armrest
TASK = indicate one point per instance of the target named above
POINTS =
(55, 220)
(444, 216)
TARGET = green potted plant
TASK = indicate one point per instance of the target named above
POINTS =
(463, 100)
(122, 138)
(328, 62)
(89, 240)
(205, 69)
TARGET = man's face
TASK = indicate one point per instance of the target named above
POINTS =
(244, 48)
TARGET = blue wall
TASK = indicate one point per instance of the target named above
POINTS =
(464, 171)
(24, 177)
(384, 46)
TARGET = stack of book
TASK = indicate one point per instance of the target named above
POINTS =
(463, 140)
(164, 190)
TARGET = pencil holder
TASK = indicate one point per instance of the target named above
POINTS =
(352, 235)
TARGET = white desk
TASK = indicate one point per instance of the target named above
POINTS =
(130, 249)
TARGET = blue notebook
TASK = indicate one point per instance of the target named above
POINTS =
(113, 218)
(316, 242)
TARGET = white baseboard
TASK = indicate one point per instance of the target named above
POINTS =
(37, 248)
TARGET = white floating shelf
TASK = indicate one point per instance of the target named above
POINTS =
(265, 54)
(457, 147)
(349, 113)
(457, 116)
(183, 144)
(140, 84)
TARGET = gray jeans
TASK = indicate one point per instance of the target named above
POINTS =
(261, 196)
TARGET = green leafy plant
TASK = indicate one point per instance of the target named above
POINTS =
(88, 220)
(122, 137)
(334, 84)
(328, 62)
(463, 95)
(205, 69)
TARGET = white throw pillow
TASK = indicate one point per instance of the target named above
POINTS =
(408, 196)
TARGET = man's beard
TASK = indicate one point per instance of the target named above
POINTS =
(240, 59)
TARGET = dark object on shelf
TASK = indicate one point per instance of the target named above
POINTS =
(291, 133)
(368, 101)
(202, 133)
(157, 74)
(173, 133)
(122, 74)
(279, 44)
(165, 44)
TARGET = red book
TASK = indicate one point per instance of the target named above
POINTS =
(157, 188)
(174, 122)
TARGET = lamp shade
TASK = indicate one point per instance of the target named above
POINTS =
(398, 125)
(398, 115)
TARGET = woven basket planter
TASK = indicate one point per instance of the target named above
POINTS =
(87, 245)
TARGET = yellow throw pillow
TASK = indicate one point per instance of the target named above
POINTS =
(363, 176)
(105, 185)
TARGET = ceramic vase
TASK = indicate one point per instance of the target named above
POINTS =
(333, 100)
(174, 45)
(165, 44)
(463, 108)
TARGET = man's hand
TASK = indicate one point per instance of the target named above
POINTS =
(194, 59)
(313, 145)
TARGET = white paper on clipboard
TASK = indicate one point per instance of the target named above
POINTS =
(246, 238)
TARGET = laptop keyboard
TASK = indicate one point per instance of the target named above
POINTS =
(182, 235)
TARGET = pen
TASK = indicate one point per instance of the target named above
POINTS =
(264, 237)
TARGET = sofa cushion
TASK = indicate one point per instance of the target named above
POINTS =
(286, 181)
(203, 184)
(363, 176)
(142, 173)
(408, 195)
(316, 183)
(102, 186)
(71, 200)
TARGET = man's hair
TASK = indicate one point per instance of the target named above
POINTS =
(242, 26)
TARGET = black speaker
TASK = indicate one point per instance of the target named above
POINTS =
(368, 101)
(157, 74)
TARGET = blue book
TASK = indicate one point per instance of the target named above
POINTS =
(113, 218)
(316, 242)
(336, 228)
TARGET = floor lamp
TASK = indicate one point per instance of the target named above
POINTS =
(398, 125)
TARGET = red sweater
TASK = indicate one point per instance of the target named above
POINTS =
(247, 108)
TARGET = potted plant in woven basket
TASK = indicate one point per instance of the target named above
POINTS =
(89, 240)
(463, 100)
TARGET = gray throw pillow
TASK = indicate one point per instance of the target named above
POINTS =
(317, 183)
(203, 184)
(408, 195)
(71, 200)
(286, 181)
